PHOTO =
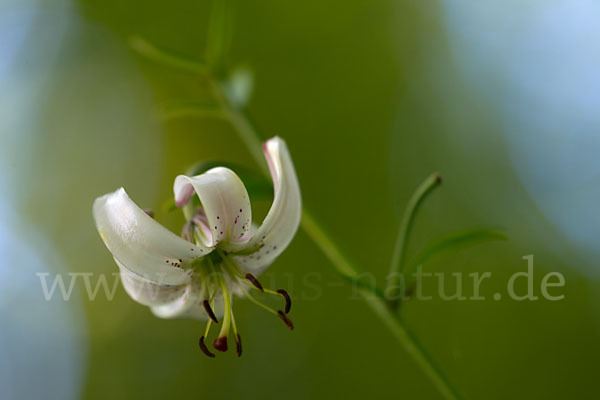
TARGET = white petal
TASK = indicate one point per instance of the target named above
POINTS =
(141, 244)
(147, 292)
(168, 301)
(282, 221)
(225, 201)
(179, 306)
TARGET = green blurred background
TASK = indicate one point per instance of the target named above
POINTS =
(371, 96)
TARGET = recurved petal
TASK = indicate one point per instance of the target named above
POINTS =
(139, 243)
(282, 221)
(147, 292)
(178, 307)
(225, 202)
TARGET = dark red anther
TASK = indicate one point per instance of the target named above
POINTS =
(288, 300)
(149, 213)
(288, 322)
(238, 345)
(204, 348)
(252, 279)
(209, 311)
(220, 343)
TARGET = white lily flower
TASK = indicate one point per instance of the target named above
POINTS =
(223, 252)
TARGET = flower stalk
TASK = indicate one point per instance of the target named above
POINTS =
(252, 140)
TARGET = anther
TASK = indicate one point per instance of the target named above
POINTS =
(288, 301)
(238, 345)
(209, 311)
(220, 343)
(288, 322)
(149, 213)
(204, 348)
(252, 279)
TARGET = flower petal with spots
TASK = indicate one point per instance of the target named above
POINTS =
(282, 221)
(225, 202)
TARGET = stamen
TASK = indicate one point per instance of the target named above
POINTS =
(252, 299)
(288, 322)
(201, 343)
(238, 345)
(252, 279)
(209, 311)
(238, 339)
(256, 285)
(149, 213)
(288, 300)
(283, 316)
(204, 348)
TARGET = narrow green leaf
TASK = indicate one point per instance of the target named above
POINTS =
(408, 219)
(454, 241)
(398, 263)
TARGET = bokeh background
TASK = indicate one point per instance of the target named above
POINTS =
(501, 97)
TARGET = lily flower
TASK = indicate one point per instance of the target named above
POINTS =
(220, 252)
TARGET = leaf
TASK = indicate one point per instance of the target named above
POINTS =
(408, 219)
(398, 262)
(455, 241)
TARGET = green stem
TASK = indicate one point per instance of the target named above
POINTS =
(154, 53)
(399, 255)
(253, 142)
(412, 345)
(326, 245)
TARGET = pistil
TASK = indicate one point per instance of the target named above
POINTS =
(220, 342)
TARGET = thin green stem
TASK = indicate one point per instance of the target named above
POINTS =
(151, 52)
(399, 254)
(411, 343)
(331, 251)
